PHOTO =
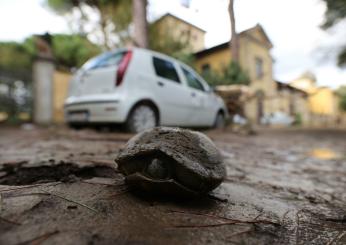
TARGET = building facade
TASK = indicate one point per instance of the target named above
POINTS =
(323, 103)
(255, 59)
(293, 102)
(170, 27)
(302, 98)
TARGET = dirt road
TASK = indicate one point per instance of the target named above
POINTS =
(283, 187)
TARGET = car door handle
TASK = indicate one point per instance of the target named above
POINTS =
(161, 84)
(193, 94)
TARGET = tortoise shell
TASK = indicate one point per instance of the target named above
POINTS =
(171, 160)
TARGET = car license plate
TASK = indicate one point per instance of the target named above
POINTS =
(78, 116)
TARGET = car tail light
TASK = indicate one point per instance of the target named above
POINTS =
(122, 67)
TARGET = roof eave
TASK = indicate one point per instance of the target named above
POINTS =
(180, 19)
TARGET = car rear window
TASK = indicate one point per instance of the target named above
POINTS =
(103, 60)
(165, 69)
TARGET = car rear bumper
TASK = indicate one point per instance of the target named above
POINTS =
(105, 111)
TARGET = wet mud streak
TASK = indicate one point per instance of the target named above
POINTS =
(45, 174)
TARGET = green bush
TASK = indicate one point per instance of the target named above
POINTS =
(341, 92)
(298, 120)
(230, 74)
(234, 74)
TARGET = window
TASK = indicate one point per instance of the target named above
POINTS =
(192, 80)
(165, 69)
(259, 68)
(113, 59)
(103, 60)
(92, 63)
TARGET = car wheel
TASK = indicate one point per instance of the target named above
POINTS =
(219, 121)
(142, 117)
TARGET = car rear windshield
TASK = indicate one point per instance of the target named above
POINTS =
(104, 60)
(165, 69)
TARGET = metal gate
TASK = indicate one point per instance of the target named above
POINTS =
(15, 96)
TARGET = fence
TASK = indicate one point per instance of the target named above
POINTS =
(15, 95)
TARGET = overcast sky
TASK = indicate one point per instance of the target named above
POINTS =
(293, 27)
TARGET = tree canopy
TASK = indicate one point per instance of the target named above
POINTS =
(15, 56)
(73, 50)
(114, 17)
(335, 13)
(69, 51)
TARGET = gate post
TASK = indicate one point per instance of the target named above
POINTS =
(43, 70)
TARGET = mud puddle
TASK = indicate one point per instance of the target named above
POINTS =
(325, 154)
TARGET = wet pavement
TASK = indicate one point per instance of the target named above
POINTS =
(283, 186)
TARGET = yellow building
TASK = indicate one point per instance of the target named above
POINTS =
(306, 82)
(292, 101)
(171, 27)
(255, 59)
(322, 101)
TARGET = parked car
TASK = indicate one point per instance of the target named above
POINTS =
(277, 118)
(141, 89)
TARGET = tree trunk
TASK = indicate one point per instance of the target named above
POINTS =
(103, 25)
(82, 20)
(140, 23)
(234, 43)
(102, 22)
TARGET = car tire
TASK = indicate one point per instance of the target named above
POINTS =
(219, 121)
(141, 117)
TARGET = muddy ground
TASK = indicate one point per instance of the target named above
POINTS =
(59, 186)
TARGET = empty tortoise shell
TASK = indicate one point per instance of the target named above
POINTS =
(171, 161)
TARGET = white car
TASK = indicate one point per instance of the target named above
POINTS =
(141, 89)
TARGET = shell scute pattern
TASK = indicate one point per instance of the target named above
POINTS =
(170, 160)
